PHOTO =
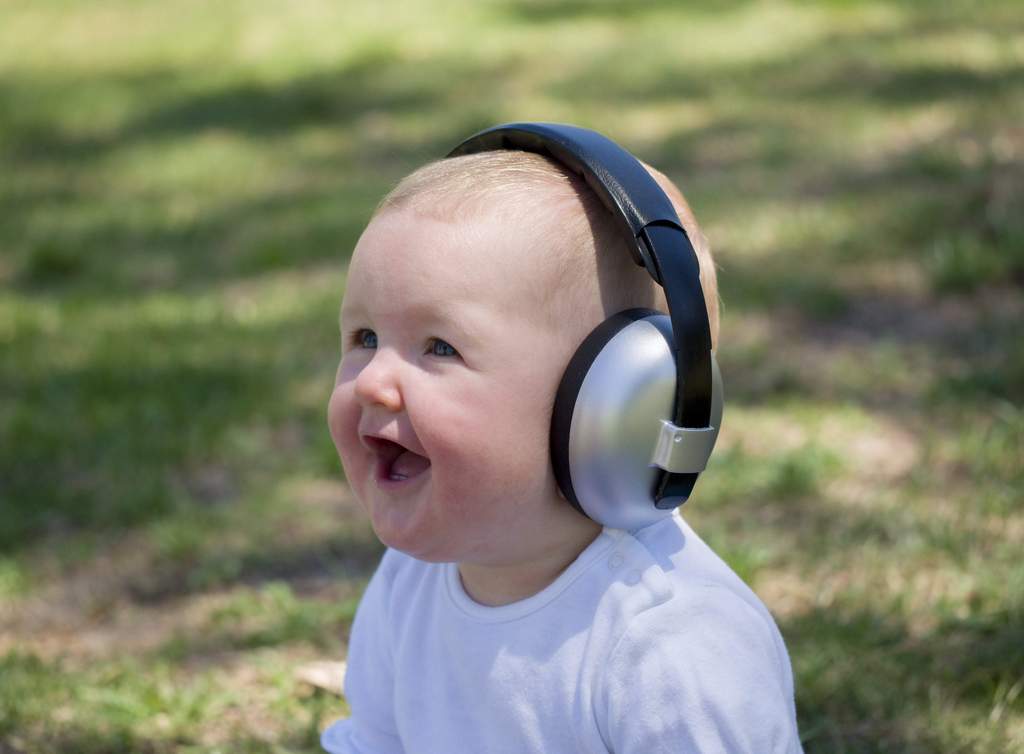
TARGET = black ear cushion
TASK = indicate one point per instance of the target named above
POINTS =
(569, 390)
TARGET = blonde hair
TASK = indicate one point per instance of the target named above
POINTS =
(575, 231)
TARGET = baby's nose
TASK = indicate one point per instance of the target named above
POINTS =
(378, 385)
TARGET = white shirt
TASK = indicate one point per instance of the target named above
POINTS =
(647, 643)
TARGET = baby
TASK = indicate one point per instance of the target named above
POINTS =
(501, 618)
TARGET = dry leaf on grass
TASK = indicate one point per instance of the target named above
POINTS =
(322, 674)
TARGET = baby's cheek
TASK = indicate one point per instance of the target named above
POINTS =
(342, 421)
(335, 414)
(491, 457)
(463, 435)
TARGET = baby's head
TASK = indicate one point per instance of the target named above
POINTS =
(574, 254)
(467, 294)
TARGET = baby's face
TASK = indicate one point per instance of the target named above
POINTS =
(442, 402)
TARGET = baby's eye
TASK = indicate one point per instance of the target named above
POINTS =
(364, 338)
(438, 347)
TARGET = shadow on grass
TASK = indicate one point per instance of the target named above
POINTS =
(69, 739)
(108, 466)
(374, 83)
(289, 230)
(558, 11)
(84, 739)
(256, 108)
(882, 350)
(867, 683)
(111, 440)
(350, 555)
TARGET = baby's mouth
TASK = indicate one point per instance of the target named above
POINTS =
(396, 463)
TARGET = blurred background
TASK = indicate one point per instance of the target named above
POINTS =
(181, 185)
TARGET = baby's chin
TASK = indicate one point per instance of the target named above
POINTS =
(431, 541)
(416, 549)
(404, 526)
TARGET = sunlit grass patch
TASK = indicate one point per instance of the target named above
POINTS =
(155, 707)
(270, 616)
(14, 581)
(307, 531)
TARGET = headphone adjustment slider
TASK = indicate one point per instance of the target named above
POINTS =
(683, 450)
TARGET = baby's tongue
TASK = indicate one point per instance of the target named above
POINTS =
(408, 465)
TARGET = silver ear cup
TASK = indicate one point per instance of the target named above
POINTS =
(627, 392)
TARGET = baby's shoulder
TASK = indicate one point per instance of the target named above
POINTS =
(704, 617)
(713, 670)
(694, 597)
(694, 575)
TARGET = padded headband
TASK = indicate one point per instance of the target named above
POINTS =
(657, 242)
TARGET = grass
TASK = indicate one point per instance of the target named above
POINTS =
(181, 184)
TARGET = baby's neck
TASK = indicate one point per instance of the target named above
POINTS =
(505, 583)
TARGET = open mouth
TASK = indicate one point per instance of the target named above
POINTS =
(396, 463)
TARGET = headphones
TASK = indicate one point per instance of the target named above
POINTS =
(639, 407)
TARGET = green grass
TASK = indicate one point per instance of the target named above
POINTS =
(181, 185)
